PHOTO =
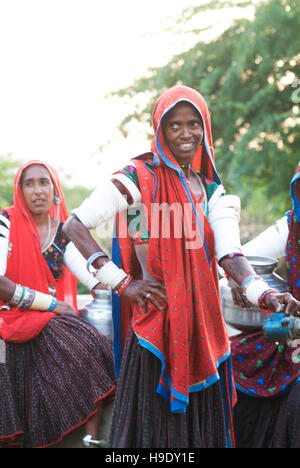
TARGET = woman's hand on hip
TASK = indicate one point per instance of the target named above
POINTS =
(144, 291)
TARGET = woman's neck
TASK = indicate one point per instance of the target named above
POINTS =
(40, 219)
(187, 167)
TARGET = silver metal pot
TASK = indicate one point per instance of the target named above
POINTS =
(250, 320)
(98, 312)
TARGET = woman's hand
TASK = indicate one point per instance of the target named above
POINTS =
(275, 302)
(144, 291)
(237, 295)
(63, 308)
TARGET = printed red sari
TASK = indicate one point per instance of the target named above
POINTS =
(189, 336)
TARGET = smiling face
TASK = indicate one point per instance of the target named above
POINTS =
(183, 131)
(37, 188)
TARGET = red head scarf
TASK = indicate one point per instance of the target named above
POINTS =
(27, 266)
(204, 158)
(189, 336)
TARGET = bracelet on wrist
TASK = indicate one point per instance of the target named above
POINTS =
(123, 285)
(231, 255)
(16, 296)
(94, 273)
(247, 281)
(28, 299)
(92, 258)
(261, 300)
(53, 304)
(110, 274)
(23, 297)
(254, 289)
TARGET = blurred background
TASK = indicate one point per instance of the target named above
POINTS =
(79, 79)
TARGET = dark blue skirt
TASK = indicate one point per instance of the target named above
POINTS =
(142, 417)
(268, 422)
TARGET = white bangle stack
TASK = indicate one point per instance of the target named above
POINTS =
(253, 287)
(26, 298)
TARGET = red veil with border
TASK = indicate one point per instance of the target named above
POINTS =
(189, 336)
(27, 266)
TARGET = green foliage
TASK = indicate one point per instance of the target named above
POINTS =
(75, 195)
(248, 76)
(8, 168)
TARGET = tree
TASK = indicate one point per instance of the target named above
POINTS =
(248, 76)
(8, 168)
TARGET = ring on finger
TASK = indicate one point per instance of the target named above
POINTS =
(148, 295)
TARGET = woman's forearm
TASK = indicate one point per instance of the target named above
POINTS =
(7, 289)
(238, 268)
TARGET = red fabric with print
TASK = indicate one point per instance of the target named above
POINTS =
(189, 335)
(27, 266)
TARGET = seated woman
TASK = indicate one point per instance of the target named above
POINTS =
(58, 369)
(267, 379)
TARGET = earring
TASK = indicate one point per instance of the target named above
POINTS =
(56, 200)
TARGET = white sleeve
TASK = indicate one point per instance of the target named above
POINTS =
(271, 242)
(4, 243)
(224, 216)
(104, 203)
(76, 263)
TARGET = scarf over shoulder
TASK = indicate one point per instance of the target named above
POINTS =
(27, 266)
(189, 336)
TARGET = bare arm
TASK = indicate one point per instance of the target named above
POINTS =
(238, 268)
(82, 239)
(7, 289)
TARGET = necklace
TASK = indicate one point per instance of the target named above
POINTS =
(186, 166)
(45, 243)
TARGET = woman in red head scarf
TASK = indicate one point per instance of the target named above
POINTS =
(175, 384)
(53, 359)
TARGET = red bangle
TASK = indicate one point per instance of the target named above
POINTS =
(261, 300)
(123, 285)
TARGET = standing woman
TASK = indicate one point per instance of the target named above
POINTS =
(175, 382)
(58, 369)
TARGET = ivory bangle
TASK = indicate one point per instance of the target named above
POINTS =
(255, 290)
(41, 301)
(110, 275)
